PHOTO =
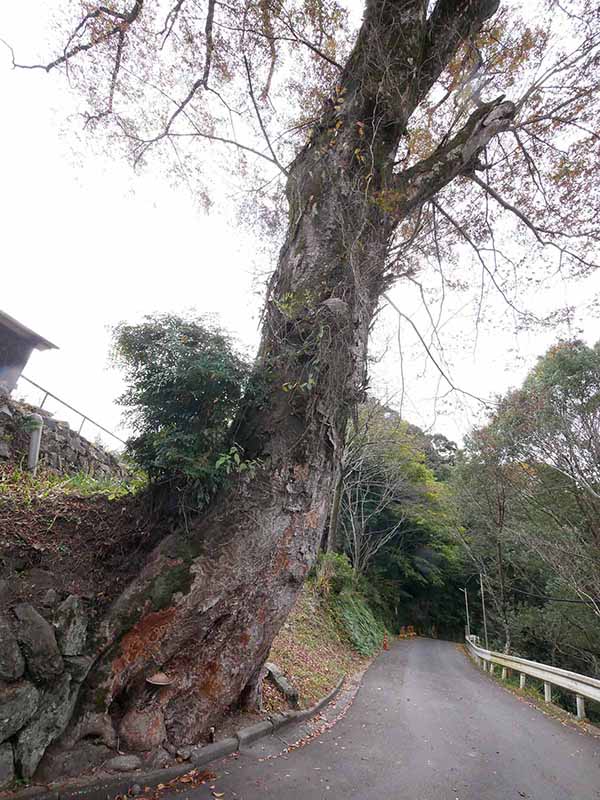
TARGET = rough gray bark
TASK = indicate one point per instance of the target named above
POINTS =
(208, 603)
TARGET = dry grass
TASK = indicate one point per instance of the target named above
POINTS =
(312, 652)
(75, 535)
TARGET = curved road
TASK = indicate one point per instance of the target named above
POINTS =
(425, 725)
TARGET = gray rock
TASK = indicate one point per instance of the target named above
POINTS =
(185, 753)
(12, 663)
(78, 666)
(4, 449)
(50, 598)
(36, 637)
(53, 714)
(135, 790)
(161, 759)
(18, 703)
(7, 766)
(59, 762)
(71, 626)
(281, 683)
(124, 763)
(5, 592)
(5, 411)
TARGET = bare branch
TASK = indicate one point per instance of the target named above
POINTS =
(536, 230)
(124, 21)
(430, 355)
(260, 120)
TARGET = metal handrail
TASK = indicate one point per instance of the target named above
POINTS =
(583, 686)
(84, 417)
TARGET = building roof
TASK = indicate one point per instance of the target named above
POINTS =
(11, 324)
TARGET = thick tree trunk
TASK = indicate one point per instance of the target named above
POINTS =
(209, 601)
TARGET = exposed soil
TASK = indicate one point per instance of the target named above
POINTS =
(89, 546)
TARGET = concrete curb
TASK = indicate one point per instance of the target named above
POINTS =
(280, 720)
(106, 788)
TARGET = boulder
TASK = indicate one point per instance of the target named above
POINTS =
(53, 714)
(7, 766)
(12, 663)
(71, 626)
(124, 763)
(279, 680)
(50, 598)
(142, 730)
(18, 703)
(78, 666)
(60, 763)
(37, 639)
(160, 759)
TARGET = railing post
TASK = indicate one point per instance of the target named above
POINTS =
(491, 667)
(37, 424)
(522, 679)
(580, 706)
(547, 692)
(503, 673)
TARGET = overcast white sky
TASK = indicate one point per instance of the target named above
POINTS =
(86, 243)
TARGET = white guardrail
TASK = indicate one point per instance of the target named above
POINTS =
(582, 686)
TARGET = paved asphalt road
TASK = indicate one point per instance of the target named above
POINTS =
(425, 725)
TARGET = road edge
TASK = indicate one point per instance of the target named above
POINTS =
(550, 710)
(106, 788)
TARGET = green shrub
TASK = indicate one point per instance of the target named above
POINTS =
(333, 574)
(358, 622)
(185, 382)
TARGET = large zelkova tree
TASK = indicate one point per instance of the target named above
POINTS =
(424, 126)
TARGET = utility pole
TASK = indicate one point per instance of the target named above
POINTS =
(467, 610)
(487, 647)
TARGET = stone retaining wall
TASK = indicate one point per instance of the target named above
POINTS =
(42, 665)
(62, 450)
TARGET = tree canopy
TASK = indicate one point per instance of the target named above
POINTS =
(528, 489)
(273, 79)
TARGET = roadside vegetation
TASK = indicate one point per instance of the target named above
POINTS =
(527, 488)
(20, 485)
(70, 534)
(314, 649)
(413, 518)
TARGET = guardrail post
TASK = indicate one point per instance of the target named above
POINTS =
(37, 424)
(583, 687)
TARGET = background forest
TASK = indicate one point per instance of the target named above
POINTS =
(414, 518)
